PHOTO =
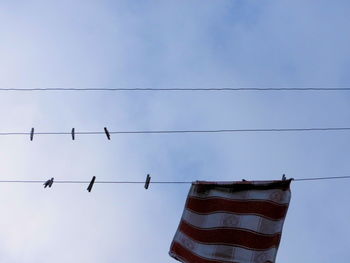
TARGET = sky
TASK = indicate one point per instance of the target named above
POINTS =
(163, 44)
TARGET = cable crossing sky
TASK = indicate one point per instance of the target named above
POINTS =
(108, 133)
(184, 89)
(157, 182)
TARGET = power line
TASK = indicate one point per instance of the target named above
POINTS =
(180, 89)
(312, 129)
(157, 182)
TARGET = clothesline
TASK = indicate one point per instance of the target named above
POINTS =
(108, 133)
(155, 182)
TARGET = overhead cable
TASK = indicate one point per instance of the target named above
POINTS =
(183, 89)
(156, 182)
(108, 133)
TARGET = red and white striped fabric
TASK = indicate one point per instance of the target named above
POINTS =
(238, 222)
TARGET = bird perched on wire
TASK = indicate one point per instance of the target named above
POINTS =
(48, 183)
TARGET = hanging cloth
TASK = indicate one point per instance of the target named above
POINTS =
(238, 222)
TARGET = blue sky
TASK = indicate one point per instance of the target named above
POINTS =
(168, 44)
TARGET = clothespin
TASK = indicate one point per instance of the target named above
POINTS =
(148, 180)
(32, 134)
(107, 133)
(73, 134)
(284, 177)
(48, 183)
(91, 184)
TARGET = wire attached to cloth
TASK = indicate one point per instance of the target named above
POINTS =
(158, 182)
(322, 178)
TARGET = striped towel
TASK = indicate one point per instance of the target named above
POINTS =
(238, 222)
